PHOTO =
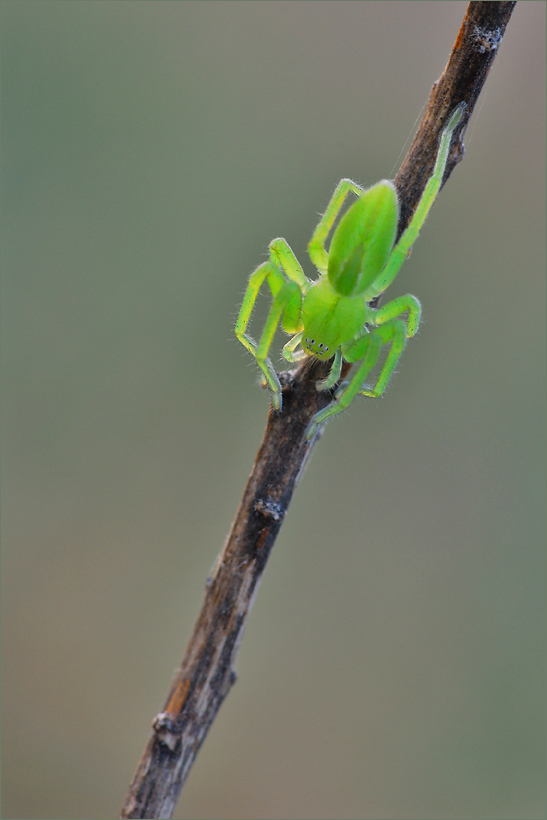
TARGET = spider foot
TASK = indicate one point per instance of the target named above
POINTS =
(275, 395)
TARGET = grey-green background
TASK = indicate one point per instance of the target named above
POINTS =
(393, 662)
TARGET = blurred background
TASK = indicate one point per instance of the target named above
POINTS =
(393, 664)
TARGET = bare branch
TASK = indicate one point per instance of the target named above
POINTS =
(466, 71)
(206, 673)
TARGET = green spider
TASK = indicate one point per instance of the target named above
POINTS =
(332, 317)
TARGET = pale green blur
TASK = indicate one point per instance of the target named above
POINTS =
(393, 665)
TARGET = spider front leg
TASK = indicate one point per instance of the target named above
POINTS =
(389, 328)
(393, 310)
(287, 285)
(334, 374)
(290, 353)
(368, 349)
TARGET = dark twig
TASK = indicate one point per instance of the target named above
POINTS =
(468, 66)
(206, 673)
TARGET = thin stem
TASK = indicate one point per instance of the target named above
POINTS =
(206, 673)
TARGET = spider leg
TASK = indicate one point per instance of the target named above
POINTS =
(395, 308)
(402, 248)
(366, 350)
(316, 247)
(286, 284)
(290, 347)
(334, 375)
